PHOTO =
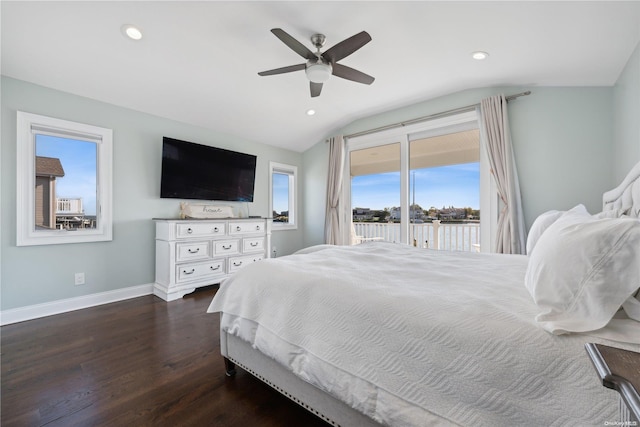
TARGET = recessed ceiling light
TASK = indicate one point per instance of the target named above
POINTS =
(132, 32)
(311, 112)
(479, 55)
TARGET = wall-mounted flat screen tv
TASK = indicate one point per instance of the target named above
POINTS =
(196, 171)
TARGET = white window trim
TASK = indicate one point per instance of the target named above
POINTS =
(292, 172)
(26, 234)
(488, 191)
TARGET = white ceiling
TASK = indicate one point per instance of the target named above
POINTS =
(198, 61)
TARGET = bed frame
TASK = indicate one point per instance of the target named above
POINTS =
(625, 197)
(239, 352)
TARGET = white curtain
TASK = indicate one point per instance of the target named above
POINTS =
(332, 226)
(494, 124)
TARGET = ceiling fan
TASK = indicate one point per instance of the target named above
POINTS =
(320, 66)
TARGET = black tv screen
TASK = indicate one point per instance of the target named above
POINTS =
(196, 171)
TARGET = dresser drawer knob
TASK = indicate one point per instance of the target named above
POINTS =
(189, 230)
(217, 267)
(193, 270)
(258, 227)
(238, 228)
(226, 247)
(237, 263)
(216, 229)
(191, 251)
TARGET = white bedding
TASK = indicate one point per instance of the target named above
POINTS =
(407, 335)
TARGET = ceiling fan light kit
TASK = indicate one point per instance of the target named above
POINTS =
(318, 72)
(321, 66)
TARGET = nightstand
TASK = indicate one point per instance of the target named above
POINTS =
(619, 370)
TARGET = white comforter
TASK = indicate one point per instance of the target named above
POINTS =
(409, 336)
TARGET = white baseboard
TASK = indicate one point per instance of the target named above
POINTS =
(30, 312)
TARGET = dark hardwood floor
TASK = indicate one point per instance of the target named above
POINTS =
(140, 362)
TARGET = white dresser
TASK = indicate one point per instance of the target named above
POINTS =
(194, 253)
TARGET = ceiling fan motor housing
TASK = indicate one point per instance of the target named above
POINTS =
(318, 40)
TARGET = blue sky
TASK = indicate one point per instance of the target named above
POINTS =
(455, 185)
(280, 192)
(78, 160)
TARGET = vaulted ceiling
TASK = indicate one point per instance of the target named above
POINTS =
(198, 61)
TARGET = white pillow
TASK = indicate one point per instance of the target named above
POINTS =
(582, 269)
(542, 222)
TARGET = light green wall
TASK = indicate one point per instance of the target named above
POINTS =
(626, 107)
(562, 143)
(39, 274)
(561, 136)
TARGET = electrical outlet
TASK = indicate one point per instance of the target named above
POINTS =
(79, 279)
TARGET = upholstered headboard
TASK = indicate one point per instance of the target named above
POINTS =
(625, 198)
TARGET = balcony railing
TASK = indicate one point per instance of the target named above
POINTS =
(68, 206)
(449, 236)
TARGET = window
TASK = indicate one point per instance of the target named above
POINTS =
(282, 200)
(63, 182)
(424, 184)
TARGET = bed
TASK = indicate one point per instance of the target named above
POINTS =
(388, 334)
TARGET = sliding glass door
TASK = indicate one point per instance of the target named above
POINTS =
(375, 193)
(445, 190)
(418, 185)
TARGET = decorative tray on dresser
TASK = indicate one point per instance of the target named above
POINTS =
(192, 253)
(619, 370)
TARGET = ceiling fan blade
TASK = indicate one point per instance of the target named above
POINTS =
(282, 70)
(293, 44)
(347, 47)
(316, 88)
(350, 74)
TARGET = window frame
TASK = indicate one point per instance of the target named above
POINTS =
(292, 172)
(28, 125)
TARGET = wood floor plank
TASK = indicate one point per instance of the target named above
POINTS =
(142, 362)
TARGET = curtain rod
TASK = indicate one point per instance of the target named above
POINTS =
(431, 116)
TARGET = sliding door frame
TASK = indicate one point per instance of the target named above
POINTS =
(402, 135)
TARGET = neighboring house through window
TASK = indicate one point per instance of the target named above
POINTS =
(48, 169)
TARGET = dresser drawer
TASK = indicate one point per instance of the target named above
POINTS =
(192, 251)
(185, 231)
(252, 244)
(236, 263)
(225, 247)
(198, 271)
(245, 227)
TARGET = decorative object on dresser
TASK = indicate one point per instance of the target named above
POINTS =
(195, 253)
(204, 211)
(619, 370)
